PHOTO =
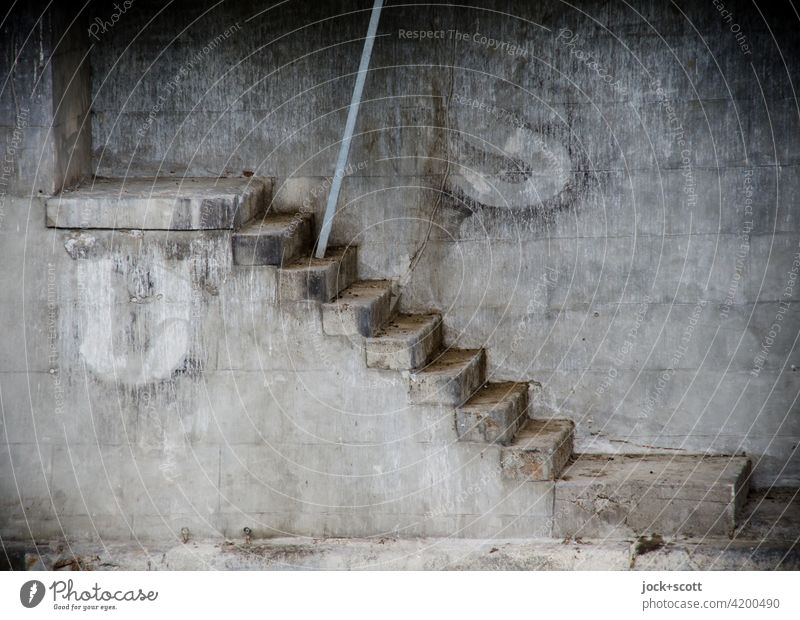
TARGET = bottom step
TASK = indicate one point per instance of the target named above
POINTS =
(631, 495)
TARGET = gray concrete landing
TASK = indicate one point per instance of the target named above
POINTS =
(614, 496)
(160, 204)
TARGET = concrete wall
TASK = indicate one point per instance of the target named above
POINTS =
(45, 131)
(619, 215)
(615, 215)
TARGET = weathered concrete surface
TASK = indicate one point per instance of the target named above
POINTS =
(451, 377)
(169, 388)
(547, 258)
(160, 204)
(665, 495)
(361, 309)
(316, 554)
(45, 124)
(540, 450)
(772, 514)
(318, 279)
(420, 554)
(765, 537)
(405, 343)
(493, 414)
(721, 555)
(274, 240)
(568, 234)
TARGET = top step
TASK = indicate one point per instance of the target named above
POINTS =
(160, 204)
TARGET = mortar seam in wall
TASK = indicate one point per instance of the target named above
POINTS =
(688, 369)
(736, 166)
(50, 473)
(582, 306)
(639, 235)
(621, 171)
(219, 484)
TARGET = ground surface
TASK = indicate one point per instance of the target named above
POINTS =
(767, 539)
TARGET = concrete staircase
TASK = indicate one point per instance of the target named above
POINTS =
(596, 495)
(413, 344)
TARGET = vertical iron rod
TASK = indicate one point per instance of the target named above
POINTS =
(352, 115)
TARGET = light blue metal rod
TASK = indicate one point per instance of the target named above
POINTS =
(352, 115)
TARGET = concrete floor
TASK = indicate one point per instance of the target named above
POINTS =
(767, 539)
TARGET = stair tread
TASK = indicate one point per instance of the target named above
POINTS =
(403, 326)
(160, 187)
(493, 394)
(673, 470)
(312, 263)
(318, 279)
(363, 292)
(405, 342)
(275, 240)
(450, 363)
(360, 309)
(278, 224)
(542, 434)
(451, 377)
(493, 413)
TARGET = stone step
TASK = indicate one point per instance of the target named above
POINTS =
(620, 496)
(359, 310)
(493, 414)
(540, 450)
(406, 342)
(274, 240)
(160, 204)
(318, 279)
(451, 378)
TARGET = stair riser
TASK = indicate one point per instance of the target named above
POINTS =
(356, 320)
(529, 465)
(448, 390)
(494, 422)
(404, 355)
(498, 427)
(276, 250)
(319, 284)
